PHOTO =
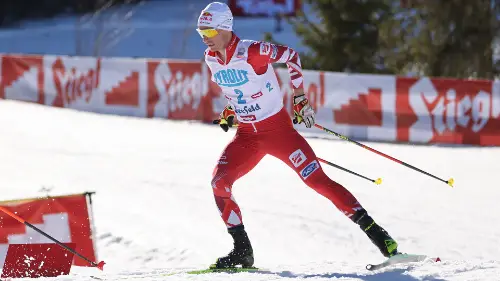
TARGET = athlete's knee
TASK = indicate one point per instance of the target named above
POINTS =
(315, 178)
(228, 208)
(221, 185)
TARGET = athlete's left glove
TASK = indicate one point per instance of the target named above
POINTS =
(226, 118)
(303, 111)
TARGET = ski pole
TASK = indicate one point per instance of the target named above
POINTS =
(377, 181)
(449, 182)
(99, 265)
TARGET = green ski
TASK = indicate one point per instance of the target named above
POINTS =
(224, 270)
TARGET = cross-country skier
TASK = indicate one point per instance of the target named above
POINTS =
(243, 70)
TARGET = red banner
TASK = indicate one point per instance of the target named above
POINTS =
(45, 260)
(73, 81)
(362, 106)
(22, 78)
(314, 88)
(104, 85)
(264, 8)
(447, 111)
(65, 218)
(178, 90)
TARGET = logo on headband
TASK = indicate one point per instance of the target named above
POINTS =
(205, 18)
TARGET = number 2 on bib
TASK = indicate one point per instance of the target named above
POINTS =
(240, 96)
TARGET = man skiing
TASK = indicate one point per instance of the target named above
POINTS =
(243, 70)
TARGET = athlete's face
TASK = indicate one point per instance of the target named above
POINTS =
(212, 38)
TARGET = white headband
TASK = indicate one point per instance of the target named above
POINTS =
(216, 15)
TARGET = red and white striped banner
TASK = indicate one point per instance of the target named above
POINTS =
(361, 106)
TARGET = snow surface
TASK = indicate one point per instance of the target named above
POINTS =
(155, 213)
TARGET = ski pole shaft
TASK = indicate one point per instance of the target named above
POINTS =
(99, 265)
(449, 182)
(377, 181)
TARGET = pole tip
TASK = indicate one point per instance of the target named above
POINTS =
(378, 181)
(100, 265)
(450, 182)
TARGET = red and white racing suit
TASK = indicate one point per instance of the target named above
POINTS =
(250, 85)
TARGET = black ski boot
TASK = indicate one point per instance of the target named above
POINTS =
(241, 254)
(384, 242)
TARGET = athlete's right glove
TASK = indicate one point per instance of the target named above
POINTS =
(226, 118)
(303, 111)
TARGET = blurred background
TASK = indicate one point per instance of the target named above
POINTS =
(446, 38)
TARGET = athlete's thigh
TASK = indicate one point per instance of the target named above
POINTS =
(293, 149)
(239, 157)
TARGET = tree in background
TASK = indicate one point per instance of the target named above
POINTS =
(454, 38)
(343, 35)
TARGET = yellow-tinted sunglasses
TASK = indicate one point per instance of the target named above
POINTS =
(209, 33)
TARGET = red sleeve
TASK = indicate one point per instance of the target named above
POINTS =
(261, 54)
